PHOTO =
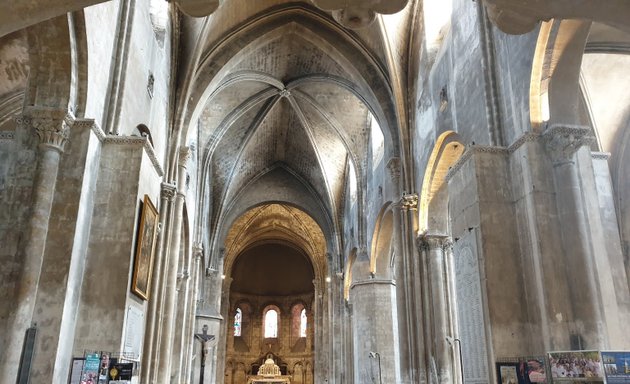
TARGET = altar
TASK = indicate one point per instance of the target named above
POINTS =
(269, 373)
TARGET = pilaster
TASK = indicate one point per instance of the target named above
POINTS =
(434, 250)
(562, 144)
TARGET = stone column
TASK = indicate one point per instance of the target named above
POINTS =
(183, 281)
(412, 280)
(167, 336)
(52, 128)
(433, 248)
(562, 144)
(208, 315)
(191, 310)
(151, 346)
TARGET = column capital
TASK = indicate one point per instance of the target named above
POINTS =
(562, 141)
(185, 154)
(197, 250)
(409, 201)
(52, 125)
(393, 166)
(432, 242)
(167, 191)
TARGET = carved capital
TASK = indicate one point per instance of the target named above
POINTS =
(184, 155)
(197, 250)
(562, 141)
(434, 242)
(409, 201)
(356, 14)
(52, 126)
(393, 166)
(168, 191)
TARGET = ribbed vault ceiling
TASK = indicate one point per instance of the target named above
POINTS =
(288, 99)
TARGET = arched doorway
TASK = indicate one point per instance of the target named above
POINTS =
(274, 293)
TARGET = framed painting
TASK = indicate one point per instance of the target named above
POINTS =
(145, 247)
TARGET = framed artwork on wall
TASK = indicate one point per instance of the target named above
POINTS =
(143, 262)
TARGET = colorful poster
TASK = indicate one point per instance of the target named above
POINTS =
(616, 367)
(522, 370)
(90, 369)
(576, 367)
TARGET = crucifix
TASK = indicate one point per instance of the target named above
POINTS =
(204, 338)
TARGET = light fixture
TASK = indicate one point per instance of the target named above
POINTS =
(328, 279)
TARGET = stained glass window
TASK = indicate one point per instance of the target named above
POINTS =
(303, 323)
(238, 318)
(271, 323)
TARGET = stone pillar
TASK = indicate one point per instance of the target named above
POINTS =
(193, 299)
(375, 331)
(167, 336)
(52, 128)
(412, 280)
(562, 144)
(434, 252)
(319, 336)
(213, 317)
(181, 334)
(151, 346)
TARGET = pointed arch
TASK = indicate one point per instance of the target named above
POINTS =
(380, 255)
(433, 207)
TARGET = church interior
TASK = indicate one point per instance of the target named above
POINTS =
(311, 192)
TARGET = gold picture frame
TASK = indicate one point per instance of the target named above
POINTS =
(145, 247)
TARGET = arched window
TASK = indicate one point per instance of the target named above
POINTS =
(271, 323)
(238, 318)
(298, 321)
(303, 323)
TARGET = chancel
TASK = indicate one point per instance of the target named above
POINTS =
(314, 192)
(269, 372)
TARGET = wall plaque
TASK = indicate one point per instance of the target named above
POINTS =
(470, 310)
(134, 332)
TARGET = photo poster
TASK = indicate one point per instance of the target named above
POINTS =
(576, 367)
(522, 370)
(91, 369)
(616, 367)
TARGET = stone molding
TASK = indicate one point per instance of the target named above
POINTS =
(7, 135)
(458, 164)
(200, 315)
(526, 138)
(563, 141)
(167, 191)
(373, 282)
(600, 155)
(10, 106)
(136, 141)
(140, 141)
(566, 131)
